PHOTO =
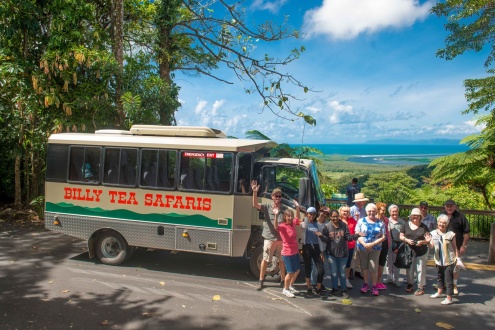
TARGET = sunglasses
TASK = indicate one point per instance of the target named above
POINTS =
(277, 196)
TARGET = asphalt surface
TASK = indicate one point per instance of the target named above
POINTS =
(47, 281)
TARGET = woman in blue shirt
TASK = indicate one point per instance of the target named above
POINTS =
(311, 249)
(369, 246)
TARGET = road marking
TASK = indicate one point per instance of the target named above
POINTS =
(277, 295)
(468, 265)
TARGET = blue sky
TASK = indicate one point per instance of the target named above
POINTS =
(373, 63)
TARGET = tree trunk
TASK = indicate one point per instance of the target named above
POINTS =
(17, 184)
(119, 57)
(484, 192)
(27, 175)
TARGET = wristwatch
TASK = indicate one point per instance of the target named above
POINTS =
(465, 246)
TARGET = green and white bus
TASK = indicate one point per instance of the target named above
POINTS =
(168, 187)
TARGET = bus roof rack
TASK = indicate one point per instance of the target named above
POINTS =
(185, 131)
(112, 131)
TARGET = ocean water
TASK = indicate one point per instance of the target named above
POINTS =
(390, 154)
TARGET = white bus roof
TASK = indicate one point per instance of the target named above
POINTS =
(167, 137)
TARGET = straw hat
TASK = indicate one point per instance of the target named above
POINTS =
(416, 211)
(359, 197)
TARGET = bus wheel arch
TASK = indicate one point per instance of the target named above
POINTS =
(111, 247)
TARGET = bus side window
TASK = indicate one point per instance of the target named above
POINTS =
(92, 164)
(84, 164)
(166, 168)
(76, 163)
(244, 169)
(56, 162)
(221, 171)
(128, 166)
(192, 170)
(111, 169)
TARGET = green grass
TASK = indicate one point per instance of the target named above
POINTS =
(336, 166)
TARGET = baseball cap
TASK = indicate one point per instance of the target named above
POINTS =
(449, 202)
(311, 210)
(423, 203)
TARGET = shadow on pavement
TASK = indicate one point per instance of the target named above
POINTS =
(30, 299)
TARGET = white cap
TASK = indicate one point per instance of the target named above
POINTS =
(311, 210)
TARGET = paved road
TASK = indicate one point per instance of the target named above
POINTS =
(47, 281)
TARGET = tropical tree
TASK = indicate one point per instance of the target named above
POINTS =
(391, 187)
(475, 167)
(84, 65)
(471, 27)
(197, 37)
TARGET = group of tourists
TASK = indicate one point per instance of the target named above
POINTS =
(361, 239)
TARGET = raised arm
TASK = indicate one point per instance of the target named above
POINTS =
(255, 187)
(298, 209)
(275, 222)
(324, 235)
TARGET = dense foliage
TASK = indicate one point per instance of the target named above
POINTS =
(83, 65)
(471, 27)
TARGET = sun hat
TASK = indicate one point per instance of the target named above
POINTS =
(311, 210)
(416, 211)
(359, 197)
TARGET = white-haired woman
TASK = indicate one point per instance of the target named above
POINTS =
(417, 236)
(369, 246)
(395, 225)
(446, 255)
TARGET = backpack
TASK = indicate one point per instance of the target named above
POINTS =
(404, 256)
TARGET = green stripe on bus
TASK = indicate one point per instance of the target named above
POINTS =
(165, 218)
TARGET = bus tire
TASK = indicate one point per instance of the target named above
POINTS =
(272, 271)
(111, 248)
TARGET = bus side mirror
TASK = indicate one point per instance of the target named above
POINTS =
(306, 198)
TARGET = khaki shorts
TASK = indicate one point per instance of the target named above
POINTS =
(271, 248)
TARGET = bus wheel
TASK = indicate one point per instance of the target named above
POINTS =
(272, 270)
(111, 248)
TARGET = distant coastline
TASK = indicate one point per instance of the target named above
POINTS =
(437, 142)
(390, 154)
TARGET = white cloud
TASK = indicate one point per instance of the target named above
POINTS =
(346, 19)
(313, 109)
(472, 123)
(272, 6)
(216, 105)
(341, 112)
(200, 106)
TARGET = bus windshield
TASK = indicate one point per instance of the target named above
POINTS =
(320, 196)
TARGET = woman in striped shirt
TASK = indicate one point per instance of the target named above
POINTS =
(446, 255)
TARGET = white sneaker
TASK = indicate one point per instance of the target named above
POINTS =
(447, 302)
(293, 290)
(348, 284)
(287, 293)
(436, 295)
(398, 283)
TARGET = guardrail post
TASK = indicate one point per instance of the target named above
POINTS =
(491, 248)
